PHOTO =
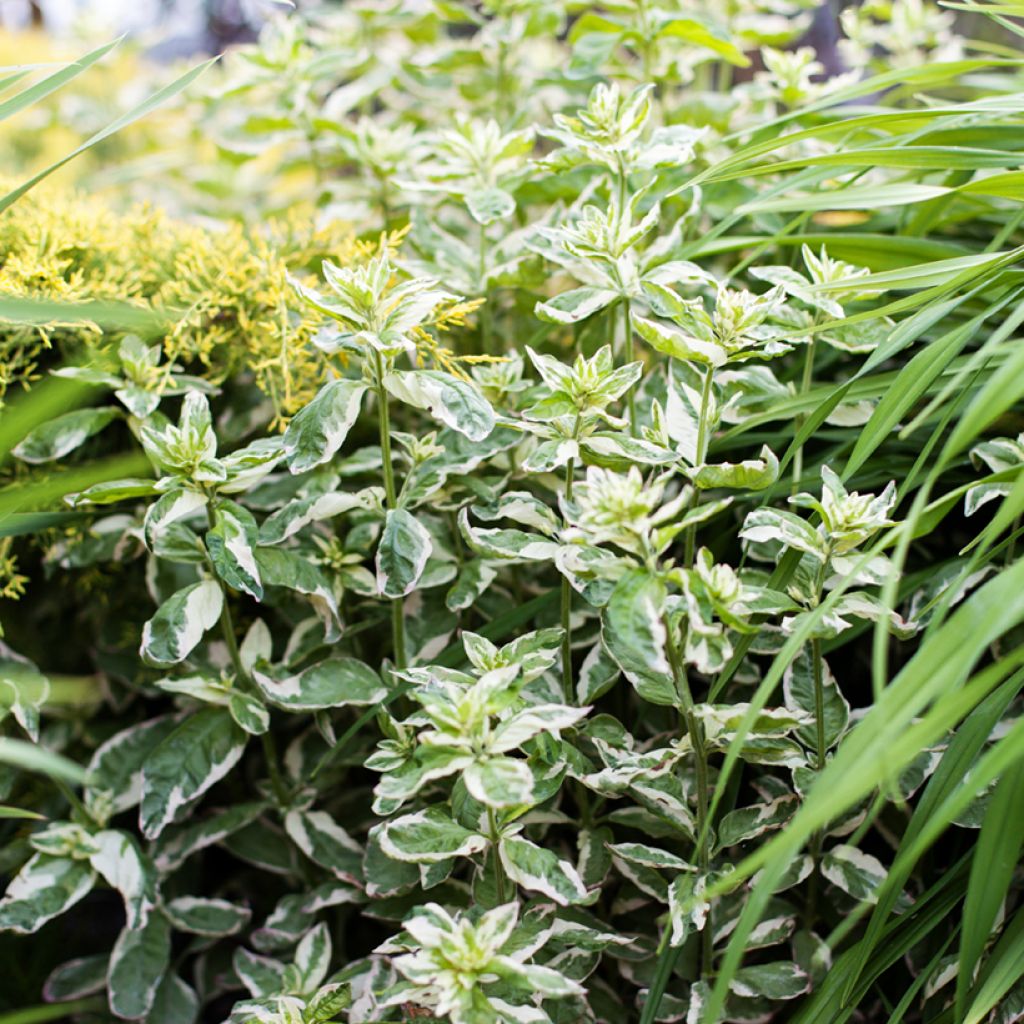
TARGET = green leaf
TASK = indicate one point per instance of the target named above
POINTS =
(199, 915)
(499, 781)
(137, 965)
(634, 635)
(27, 97)
(144, 108)
(456, 403)
(326, 843)
(63, 434)
(232, 544)
(44, 888)
(540, 870)
(30, 758)
(429, 836)
(185, 764)
(855, 872)
(180, 623)
(336, 682)
(402, 553)
(317, 432)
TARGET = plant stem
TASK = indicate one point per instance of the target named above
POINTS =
(821, 749)
(227, 628)
(567, 606)
(805, 386)
(485, 309)
(700, 454)
(499, 871)
(72, 798)
(391, 501)
(567, 688)
(627, 316)
(700, 758)
(819, 704)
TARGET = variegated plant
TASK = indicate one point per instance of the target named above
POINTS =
(625, 628)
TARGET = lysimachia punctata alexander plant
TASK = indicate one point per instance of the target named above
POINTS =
(594, 595)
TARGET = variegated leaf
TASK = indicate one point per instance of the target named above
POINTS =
(186, 763)
(402, 554)
(180, 622)
(540, 870)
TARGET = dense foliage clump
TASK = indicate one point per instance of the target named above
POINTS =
(532, 537)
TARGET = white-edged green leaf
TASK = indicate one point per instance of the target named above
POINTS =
(428, 836)
(634, 635)
(780, 980)
(334, 683)
(317, 431)
(486, 205)
(296, 514)
(402, 554)
(261, 975)
(171, 507)
(232, 545)
(186, 763)
(456, 403)
(202, 916)
(506, 545)
(248, 712)
(326, 843)
(499, 781)
(573, 306)
(541, 870)
(313, 957)
(62, 435)
(116, 766)
(798, 691)
(42, 890)
(857, 873)
(515, 730)
(180, 622)
(76, 978)
(123, 866)
(785, 528)
(687, 907)
(749, 475)
(137, 965)
(175, 1002)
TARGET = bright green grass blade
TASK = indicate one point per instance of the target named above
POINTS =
(911, 383)
(1003, 970)
(147, 106)
(31, 758)
(119, 316)
(1000, 392)
(54, 1011)
(945, 786)
(995, 858)
(882, 742)
(17, 812)
(50, 84)
(930, 913)
(941, 158)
